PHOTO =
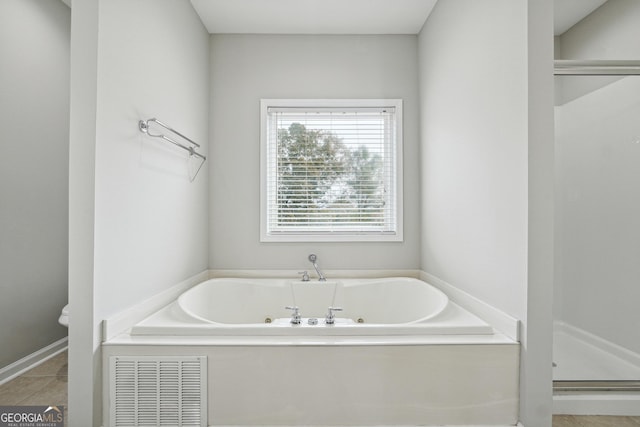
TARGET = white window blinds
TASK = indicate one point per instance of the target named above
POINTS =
(331, 172)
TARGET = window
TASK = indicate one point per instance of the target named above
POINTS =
(331, 170)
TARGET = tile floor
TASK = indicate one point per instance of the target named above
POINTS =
(594, 421)
(46, 384)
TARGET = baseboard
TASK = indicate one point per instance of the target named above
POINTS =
(125, 319)
(500, 321)
(34, 359)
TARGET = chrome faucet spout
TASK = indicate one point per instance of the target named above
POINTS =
(313, 258)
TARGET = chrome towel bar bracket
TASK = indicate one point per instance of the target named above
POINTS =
(189, 145)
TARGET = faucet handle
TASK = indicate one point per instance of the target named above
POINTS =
(331, 318)
(305, 275)
(296, 319)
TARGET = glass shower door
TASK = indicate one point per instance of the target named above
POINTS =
(597, 291)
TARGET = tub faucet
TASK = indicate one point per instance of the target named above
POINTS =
(296, 318)
(330, 319)
(313, 259)
(305, 275)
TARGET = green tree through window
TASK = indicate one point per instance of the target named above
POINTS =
(322, 180)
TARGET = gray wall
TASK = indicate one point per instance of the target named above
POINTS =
(599, 181)
(34, 148)
(246, 68)
(609, 32)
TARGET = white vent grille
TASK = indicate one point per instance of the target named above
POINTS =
(158, 391)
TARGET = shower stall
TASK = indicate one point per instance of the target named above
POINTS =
(596, 346)
(596, 349)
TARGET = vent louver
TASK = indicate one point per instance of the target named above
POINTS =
(158, 391)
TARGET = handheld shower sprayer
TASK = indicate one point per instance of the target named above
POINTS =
(313, 258)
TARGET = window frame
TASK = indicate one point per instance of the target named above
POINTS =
(343, 236)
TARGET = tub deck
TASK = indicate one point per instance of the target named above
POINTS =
(170, 321)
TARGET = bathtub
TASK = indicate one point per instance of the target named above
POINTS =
(264, 307)
(399, 353)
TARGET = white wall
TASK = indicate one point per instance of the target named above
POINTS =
(537, 328)
(34, 118)
(598, 197)
(84, 331)
(487, 168)
(151, 221)
(143, 226)
(473, 87)
(246, 68)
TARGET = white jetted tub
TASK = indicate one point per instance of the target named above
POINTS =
(398, 353)
(384, 306)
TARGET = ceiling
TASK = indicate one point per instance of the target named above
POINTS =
(344, 16)
(314, 16)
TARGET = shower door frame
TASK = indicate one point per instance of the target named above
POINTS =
(571, 67)
(598, 67)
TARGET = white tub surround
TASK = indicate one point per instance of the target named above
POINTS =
(340, 385)
(417, 358)
(124, 320)
(500, 321)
